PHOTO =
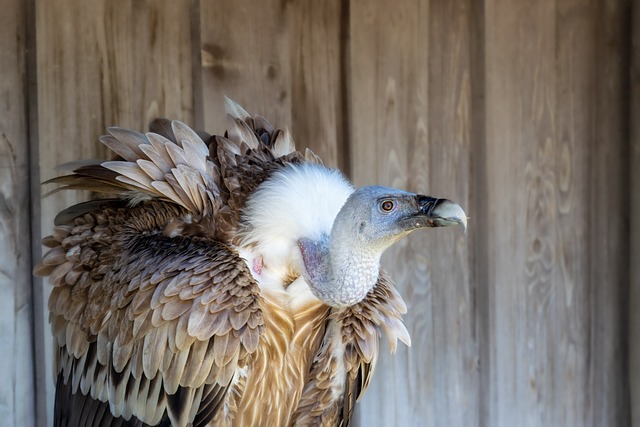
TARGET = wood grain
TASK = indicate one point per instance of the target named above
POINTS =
(523, 244)
(17, 406)
(569, 338)
(609, 226)
(411, 98)
(102, 63)
(634, 282)
(280, 60)
(556, 328)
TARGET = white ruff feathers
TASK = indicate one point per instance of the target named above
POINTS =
(297, 201)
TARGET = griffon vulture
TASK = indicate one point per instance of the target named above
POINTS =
(222, 280)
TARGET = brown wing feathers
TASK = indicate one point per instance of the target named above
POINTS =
(118, 316)
(346, 359)
(146, 321)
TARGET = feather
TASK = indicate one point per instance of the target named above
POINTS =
(250, 339)
(122, 350)
(55, 256)
(178, 406)
(220, 355)
(137, 368)
(157, 152)
(104, 349)
(195, 153)
(197, 356)
(130, 138)
(117, 391)
(162, 126)
(240, 132)
(132, 171)
(100, 389)
(227, 371)
(155, 402)
(176, 154)
(87, 374)
(131, 397)
(173, 375)
(174, 308)
(183, 339)
(153, 351)
(208, 367)
(184, 133)
(283, 144)
(120, 148)
(234, 109)
(151, 169)
(140, 396)
(78, 371)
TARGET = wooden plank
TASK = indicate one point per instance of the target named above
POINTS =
(569, 346)
(528, 286)
(102, 63)
(278, 59)
(17, 406)
(553, 91)
(634, 294)
(410, 106)
(609, 198)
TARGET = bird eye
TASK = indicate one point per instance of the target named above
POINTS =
(387, 205)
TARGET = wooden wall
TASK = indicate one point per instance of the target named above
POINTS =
(527, 113)
(16, 302)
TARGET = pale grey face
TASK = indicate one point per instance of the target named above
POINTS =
(380, 216)
(343, 268)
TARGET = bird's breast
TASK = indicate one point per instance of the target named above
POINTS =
(276, 375)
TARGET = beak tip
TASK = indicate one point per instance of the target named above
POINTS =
(452, 213)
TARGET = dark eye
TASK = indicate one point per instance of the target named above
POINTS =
(387, 205)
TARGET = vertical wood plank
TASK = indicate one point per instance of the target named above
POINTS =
(102, 63)
(278, 59)
(411, 98)
(569, 341)
(522, 197)
(634, 293)
(609, 258)
(17, 406)
(553, 91)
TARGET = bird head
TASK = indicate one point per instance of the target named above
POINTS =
(380, 216)
(345, 266)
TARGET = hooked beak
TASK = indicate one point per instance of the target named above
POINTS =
(441, 212)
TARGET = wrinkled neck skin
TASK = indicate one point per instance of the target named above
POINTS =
(341, 268)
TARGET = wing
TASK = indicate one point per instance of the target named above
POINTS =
(209, 176)
(153, 324)
(345, 362)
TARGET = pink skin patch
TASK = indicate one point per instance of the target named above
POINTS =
(257, 265)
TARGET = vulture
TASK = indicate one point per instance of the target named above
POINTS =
(222, 280)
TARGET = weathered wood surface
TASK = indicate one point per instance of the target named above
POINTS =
(530, 365)
(555, 157)
(17, 406)
(102, 63)
(634, 282)
(609, 192)
(410, 126)
(521, 111)
(281, 59)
